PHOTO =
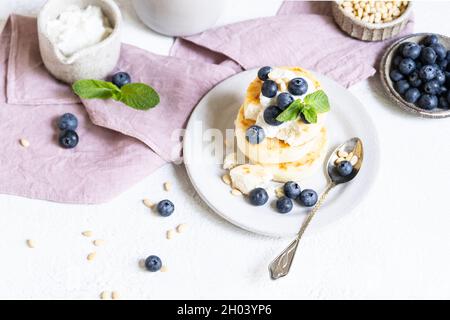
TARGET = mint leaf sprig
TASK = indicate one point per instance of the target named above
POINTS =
(138, 96)
(312, 104)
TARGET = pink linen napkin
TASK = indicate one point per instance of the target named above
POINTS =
(118, 146)
(303, 34)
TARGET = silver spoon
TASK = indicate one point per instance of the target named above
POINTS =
(282, 264)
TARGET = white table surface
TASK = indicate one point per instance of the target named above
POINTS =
(396, 244)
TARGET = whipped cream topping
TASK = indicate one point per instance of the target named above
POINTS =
(75, 29)
(287, 131)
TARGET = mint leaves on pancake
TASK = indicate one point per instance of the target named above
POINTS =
(312, 104)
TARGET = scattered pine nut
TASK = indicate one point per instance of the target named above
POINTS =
(181, 227)
(226, 178)
(98, 242)
(167, 186)
(91, 256)
(87, 233)
(170, 234)
(342, 154)
(349, 156)
(236, 192)
(24, 142)
(279, 192)
(148, 203)
(31, 244)
(104, 295)
(115, 295)
(163, 269)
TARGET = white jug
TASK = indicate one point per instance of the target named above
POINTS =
(179, 17)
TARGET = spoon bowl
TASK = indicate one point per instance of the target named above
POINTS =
(354, 146)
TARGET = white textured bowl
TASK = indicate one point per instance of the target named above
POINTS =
(94, 62)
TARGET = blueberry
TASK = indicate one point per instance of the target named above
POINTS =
(263, 73)
(448, 56)
(68, 139)
(440, 50)
(258, 197)
(68, 122)
(401, 86)
(165, 208)
(429, 40)
(270, 115)
(411, 50)
(414, 79)
(308, 198)
(298, 86)
(345, 168)
(432, 87)
(284, 99)
(443, 103)
(412, 95)
(291, 189)
(396, 75)
(428, 56)
(407, 66)
(255, 134)
(419, 65)
(443, 63)
(443, 90)
(440, 77)
(396, 61)
(269, 89)
(284, 205)
(121, 78)
(428, 102)
(153, 263)
(427, 72)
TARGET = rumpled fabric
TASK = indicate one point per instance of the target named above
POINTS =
(302, 34)
(118, 146)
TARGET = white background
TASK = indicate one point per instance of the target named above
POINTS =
(396, 244)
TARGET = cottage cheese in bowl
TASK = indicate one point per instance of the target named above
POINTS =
(78, 28)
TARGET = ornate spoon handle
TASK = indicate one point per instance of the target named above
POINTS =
(282, 264)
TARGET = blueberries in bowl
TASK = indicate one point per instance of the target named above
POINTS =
(427, 72)
(411, 50)
(420, 73)
(396, 75)
(412, 95)
(407, 66)
(428, 102)
(428, 55)
(401, 86)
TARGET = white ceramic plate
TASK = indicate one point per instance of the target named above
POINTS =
(216, 113)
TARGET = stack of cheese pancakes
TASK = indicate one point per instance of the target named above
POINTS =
(290, 150)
